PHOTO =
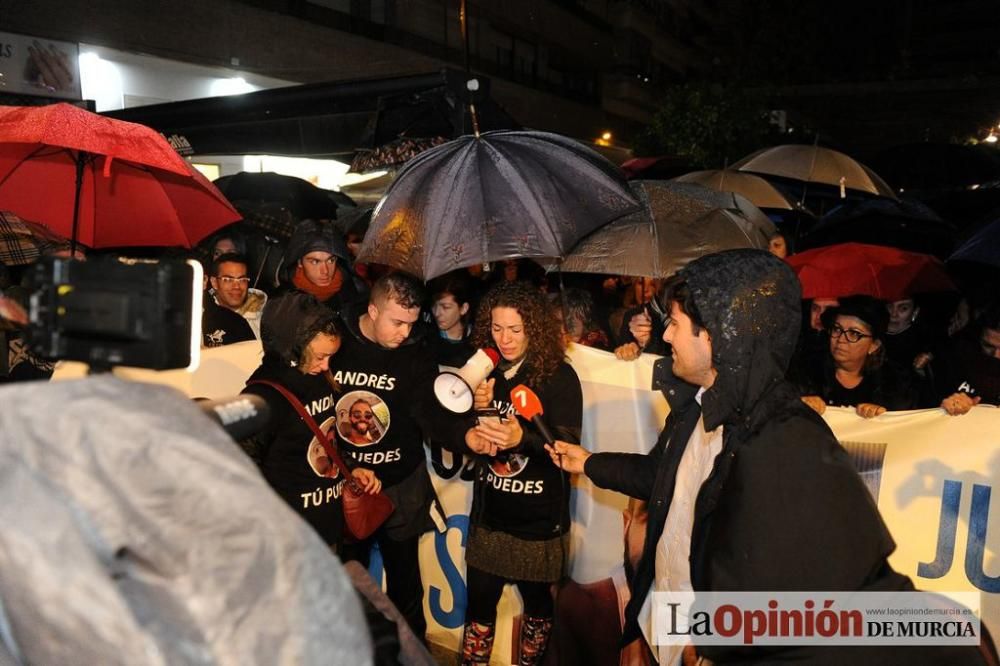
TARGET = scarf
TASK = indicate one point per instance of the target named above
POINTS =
(322, 294)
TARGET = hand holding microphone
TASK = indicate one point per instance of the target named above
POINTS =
(568, 457)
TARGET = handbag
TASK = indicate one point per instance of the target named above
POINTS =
(363, 512)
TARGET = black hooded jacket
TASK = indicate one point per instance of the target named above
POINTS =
(783, 508)
(312, 236)
(290, 458)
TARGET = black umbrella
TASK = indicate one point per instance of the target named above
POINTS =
(907, 225)
(300, 197)
(938, 166)
(678, 223)
(501, 195)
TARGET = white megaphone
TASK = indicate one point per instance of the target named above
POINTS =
(455, 387)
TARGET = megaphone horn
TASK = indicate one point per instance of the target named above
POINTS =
(455, 388)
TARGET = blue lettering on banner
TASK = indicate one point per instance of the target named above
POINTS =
(975, 549)
(375, 567)
(951, 495)
(456, 582)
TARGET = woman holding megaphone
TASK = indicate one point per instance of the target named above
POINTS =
(520, 508)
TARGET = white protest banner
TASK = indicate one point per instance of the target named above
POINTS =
(932, 475)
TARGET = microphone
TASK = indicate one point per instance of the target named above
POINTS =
(240, 416)
(527, 405)
(455, 388)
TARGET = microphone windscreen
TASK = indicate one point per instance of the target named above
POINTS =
(525, 401)
(240, 416)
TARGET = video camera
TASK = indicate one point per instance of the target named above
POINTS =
(107, 312)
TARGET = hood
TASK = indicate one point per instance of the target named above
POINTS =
(288, 324)
(750, 301)
(312, 236)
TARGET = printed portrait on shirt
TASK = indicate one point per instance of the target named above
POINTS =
(316, 455)
(509, 465)
(362, 418)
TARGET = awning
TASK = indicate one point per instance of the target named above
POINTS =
(330, 119)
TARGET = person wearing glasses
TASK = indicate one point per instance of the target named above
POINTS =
(855, 372)
(232, 309)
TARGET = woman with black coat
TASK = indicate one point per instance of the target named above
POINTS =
(855, 372)
(300, 335)
(520, 509)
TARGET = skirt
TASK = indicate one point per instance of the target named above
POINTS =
(509, 557)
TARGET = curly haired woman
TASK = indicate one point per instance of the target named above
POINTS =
(520, 510)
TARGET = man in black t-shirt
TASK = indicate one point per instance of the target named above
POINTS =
(385, 409)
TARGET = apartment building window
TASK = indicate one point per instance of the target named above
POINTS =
(525, 62)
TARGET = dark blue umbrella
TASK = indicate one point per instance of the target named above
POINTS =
(983, 247)
(500, 195)
(907, 225)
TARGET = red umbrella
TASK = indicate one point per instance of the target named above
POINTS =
(103, 182)
(855, 268)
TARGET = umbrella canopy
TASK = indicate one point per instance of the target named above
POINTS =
(661, 167)
(119, 184)
(760, 192)
(393, 154)
(855, 268)
(678, 223)
(300, 197)
(983, 247)
(23, 242)
(815, 164)
(938, 166)
(500, 195)
(907, 225)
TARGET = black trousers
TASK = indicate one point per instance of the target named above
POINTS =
(485, 589)
(404, 586)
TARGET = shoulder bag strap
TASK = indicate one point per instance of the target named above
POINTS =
(331, 451)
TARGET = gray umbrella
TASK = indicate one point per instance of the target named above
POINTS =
(815, 164)
(760, 192)
(679, 222)
(501, 195)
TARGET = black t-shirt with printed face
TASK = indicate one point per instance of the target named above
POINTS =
(294, 462)
(522, 492)
(386, 404)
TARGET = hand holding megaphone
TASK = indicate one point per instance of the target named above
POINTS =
(455, 388)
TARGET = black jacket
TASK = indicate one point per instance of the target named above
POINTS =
(783, 508)
(290, 458)
(520, 491)
(222, 326)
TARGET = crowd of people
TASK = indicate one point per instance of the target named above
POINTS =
(852, 351)
(360, 346)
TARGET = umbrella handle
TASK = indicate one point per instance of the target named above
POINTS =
(260, 269)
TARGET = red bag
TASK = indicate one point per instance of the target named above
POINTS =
(363, 513)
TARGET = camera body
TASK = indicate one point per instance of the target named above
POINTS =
(108, 312)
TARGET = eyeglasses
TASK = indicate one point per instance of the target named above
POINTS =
(852, 334)
(228, 280)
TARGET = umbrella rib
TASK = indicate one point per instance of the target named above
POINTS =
(35, 153)
(537, 204)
